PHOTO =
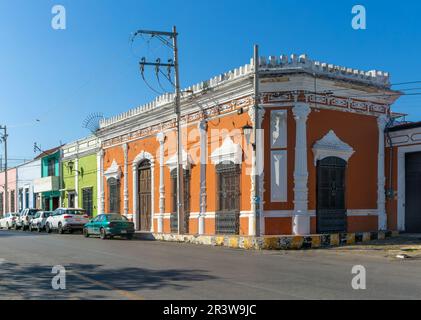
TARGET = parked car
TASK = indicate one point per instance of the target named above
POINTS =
(108, 226)
(39, 220)
(25, 218)
(8, 221)
(66, 219)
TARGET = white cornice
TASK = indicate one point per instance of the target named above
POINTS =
(331, 146)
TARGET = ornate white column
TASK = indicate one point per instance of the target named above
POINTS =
(161, 139)
(125, 181)
(381, 180)
(301, 223)
(100, 177)
(203, 126)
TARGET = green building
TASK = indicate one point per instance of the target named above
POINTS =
(47, 187)
(80, 175)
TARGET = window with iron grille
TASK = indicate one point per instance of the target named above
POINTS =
(87, 200)
(174, 186)
(1, 203)
(12, 201)
(51, 167)
(114, 195)
(228, 198)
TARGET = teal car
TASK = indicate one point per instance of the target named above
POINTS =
(108, 225)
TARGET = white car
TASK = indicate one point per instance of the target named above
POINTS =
(39, 220)
(25, 218)
(8, 221)
(66, 219)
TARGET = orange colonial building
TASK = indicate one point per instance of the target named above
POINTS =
(320, 154)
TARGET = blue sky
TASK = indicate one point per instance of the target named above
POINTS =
(61, 76)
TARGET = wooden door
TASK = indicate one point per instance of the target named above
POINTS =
(144, 196)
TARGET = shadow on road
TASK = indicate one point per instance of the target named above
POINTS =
(89, 281)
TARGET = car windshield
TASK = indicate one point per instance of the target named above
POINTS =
(31, 212)
(116, 217)
(75, 212)
(47, 213)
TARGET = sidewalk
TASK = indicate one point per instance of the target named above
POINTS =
(273, 242)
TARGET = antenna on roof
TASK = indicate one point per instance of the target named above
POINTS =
(92, 121)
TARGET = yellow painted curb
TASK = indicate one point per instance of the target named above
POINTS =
(247, 243)
(271, 243)
(334, 239)
(366, 236)
(395, 233)
(350, 238)
(219, 241)
(297, 242)
(381, 235)
(316, 241)
(233, 242)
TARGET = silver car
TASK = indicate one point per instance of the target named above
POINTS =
(39, 220)
(25, 218)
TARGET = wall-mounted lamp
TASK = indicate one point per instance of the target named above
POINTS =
(71, 165)
(247, 131)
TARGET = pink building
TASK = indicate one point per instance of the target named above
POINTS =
(12, 196)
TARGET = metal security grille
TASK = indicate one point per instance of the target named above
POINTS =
(114, 195)
(1, 204)
(144, 187)
(412, 192)
(87, 200)
(174, 217)
(331, 211)
(228, 198)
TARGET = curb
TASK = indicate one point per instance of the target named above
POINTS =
(273, 242)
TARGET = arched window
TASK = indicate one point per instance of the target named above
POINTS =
(228, 198)
(114, 195)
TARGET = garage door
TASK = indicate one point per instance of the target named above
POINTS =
(413, 192)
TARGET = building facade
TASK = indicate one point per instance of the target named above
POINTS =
(403, 168)
(27, 173)
(80, 175)
(320, 159)
(11, 191)
(48, 186)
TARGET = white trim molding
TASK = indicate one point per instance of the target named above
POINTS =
(138, 159)
(161, 139)
(227, 152)
(331, 146)
(186, 161)
(113, 171)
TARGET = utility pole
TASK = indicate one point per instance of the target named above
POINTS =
(161, 35)
(256, 196)
(6, 196)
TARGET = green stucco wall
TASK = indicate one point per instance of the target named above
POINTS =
(87, 179)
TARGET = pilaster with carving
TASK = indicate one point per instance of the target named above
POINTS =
(125, 181)
(301, 223)
(381, 180)
(203, 162)
(161, 139)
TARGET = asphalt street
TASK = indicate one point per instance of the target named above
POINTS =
(121, 269)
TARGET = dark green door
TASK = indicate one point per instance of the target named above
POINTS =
(331, 210)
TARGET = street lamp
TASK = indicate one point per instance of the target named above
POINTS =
(247, 131)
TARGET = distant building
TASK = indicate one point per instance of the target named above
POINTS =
(11, 191)
(48, 186)
(80, 175)
(27, 173)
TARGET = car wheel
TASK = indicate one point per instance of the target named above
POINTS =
(129, 237)
(7, 226)
(60, 229)
(102, 234)
(39, 229)
(47, 228)
(85, 233)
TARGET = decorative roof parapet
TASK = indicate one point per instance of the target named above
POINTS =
(273, 64)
